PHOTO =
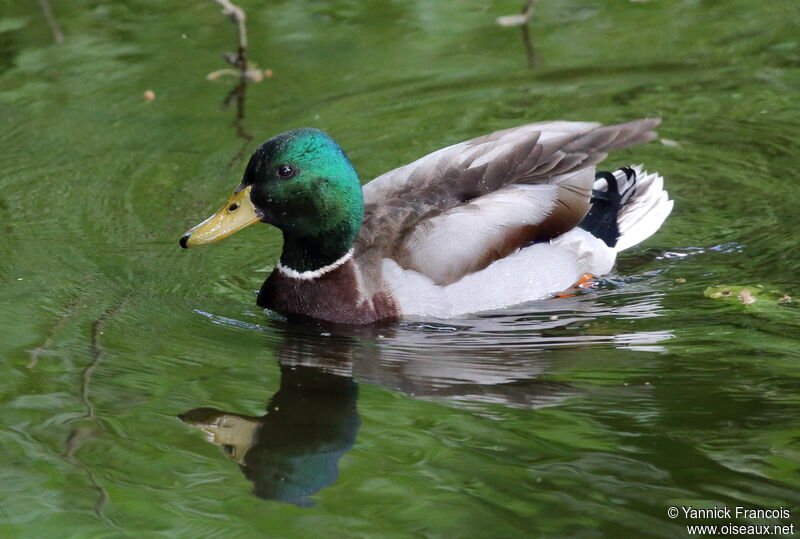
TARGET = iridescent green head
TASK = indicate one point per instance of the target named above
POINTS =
(303, 183)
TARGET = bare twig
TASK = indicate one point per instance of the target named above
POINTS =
(241, 130)
(527, 12)
(244, 71)
(58, 35)
(237, 15)
(527, 9)
(523, 20)
(238, 60)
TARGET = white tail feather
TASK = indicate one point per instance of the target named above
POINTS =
(645, 211)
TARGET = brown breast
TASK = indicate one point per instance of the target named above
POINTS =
(337, 296)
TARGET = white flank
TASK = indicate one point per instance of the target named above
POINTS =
(314, 274)
(529, 274)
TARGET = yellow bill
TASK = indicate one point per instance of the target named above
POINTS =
(237, 213)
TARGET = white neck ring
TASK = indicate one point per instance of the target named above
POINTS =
(314, 274)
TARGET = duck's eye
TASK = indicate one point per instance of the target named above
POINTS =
(285, 171)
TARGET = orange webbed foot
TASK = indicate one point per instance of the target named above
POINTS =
(584, 283)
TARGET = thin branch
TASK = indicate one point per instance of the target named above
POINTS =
(245, 72)
(239, 93)
(58, 35)
(523, 20)
(529, 51)
(237, 15)
(527, 12)
(527, 9)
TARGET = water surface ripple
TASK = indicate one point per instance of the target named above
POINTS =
(588, 415)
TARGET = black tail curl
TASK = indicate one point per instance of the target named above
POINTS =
(601, 221)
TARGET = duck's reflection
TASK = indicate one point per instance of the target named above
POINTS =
(293, 450)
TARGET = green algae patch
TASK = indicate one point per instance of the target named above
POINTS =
(748, 294)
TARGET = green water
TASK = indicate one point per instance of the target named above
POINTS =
(642, 394)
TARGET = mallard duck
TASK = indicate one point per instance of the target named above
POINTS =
(502, 219)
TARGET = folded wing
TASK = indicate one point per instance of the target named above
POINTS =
(455, 211)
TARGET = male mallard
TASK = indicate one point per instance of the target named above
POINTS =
(491, 222)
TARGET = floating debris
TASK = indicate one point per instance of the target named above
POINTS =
(670, 143)
(554, 317)
(513, 20)
(721, 291)
(252, 73)
(518, 20)
(255, 75)
(746, 297)
(680, 280)
(149, 95)
(214, 75)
